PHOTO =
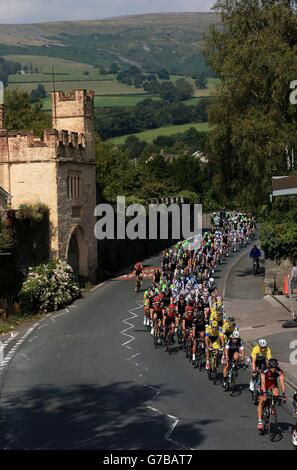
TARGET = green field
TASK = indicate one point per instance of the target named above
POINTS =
(110, 101)
(99, 87)
(69, 75)
(149, 136)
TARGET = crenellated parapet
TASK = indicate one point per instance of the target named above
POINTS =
(24, 146)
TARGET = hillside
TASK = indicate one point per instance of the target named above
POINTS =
(151, 41)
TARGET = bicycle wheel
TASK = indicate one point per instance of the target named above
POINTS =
(214, 375)
(156, 336)
(209, 373)
(255, 397)
(232, 381)
(272, 425)
(266, 418)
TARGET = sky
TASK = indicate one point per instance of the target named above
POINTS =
(32, 11)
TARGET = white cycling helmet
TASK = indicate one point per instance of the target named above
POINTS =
(235, 334)
(262, 343)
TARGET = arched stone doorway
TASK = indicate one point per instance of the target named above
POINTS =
(73, 256)
(77, 254)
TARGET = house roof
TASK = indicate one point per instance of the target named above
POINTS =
(284, 185)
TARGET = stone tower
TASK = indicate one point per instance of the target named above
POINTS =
(60, 171)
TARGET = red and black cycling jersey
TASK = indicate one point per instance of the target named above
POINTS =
(171, 312)
(271, 377)
(189, 313)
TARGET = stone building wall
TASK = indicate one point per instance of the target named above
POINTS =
(37, 170)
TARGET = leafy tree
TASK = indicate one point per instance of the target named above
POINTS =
(114, 68)
(38, 93)
(133, 146)
(181, 114)
(201, 81)
(184, 89)
(8, 68)
(168, 91)
(254, 54)
(163, 74)
(21, 114)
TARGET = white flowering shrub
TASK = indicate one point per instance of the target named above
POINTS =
(49, 287)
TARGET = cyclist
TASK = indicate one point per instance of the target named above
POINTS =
(198, 329)
(260, 355)
(214, 339)
(228, 327)
(169, 318)
(255, 254)
(157, 276)
(138, 271)
(187, 321)
(269, 383)
(157, 315)
(234, 349)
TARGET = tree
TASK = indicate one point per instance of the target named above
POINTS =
(133, 146)
(114, 68)
(201, 81)
(254, 54)
(184, 89)
(163, 74)
(21, 114)
(181, 114)
(168, 91)
(38, 93)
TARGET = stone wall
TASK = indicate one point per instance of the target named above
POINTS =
(275, 270)
(114, 255)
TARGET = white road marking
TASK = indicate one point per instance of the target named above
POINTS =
(59, 314)
(151, 387)
(96, 287)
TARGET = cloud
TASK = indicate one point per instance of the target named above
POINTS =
(30, 11)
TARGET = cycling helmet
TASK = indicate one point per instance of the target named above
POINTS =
(231, 319)
(235, 334)
(214, 324)
(262, 343)
(272, 363)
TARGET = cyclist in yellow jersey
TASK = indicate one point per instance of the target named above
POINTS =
(228, 327)
(260, 355)
(214, 338)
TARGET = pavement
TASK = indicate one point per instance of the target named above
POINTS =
(89, 377)
(261, 316)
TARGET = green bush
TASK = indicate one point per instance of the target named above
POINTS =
(190, 197)
(279, 240)
(49, 287)
(35, 211)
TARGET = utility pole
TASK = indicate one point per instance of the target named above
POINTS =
(54, 90)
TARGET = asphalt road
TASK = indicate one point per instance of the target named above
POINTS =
(90, 378)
